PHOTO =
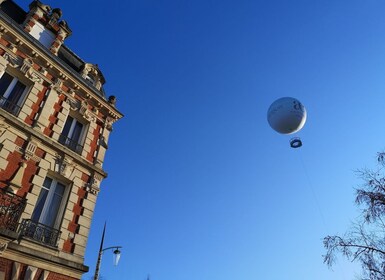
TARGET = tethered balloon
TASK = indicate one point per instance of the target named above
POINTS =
(287, 115)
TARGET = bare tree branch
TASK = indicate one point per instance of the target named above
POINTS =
(365, 241)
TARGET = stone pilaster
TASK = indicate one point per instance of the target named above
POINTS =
(30, 273)
(3, 65)
(47, 110)
(16, 182)
(15, 271)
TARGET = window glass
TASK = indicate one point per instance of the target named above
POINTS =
(54, 205)
(16, 93)
(77, 130)
(48, 203)
(91, 79)
(72, 134)
(41, 199)
(12, 93)
(5, 81)
(67, 126)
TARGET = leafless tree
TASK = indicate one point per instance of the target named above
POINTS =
(365, 241)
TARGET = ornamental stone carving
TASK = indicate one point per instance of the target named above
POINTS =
(57, 85)
(93, 185)
(93, 75)
(13, 60)
(3, 247)
(29, 151)
(64, 165)
(26, 66)
(34, 77)
(112, 100)
(55, 16)
(109, 122)
(38, 8)
(3, 128)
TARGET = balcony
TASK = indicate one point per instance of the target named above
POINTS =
(70, 143)
(9, 106)
(39, 233)
(11, 208)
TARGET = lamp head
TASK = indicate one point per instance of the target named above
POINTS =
(116, 256)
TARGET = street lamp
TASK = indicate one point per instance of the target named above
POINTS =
(116, 253)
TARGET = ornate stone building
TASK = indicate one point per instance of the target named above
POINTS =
(55, 122)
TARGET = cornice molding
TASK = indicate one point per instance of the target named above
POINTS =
(54, 63)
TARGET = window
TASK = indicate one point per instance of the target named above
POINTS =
(48, 203)
(12, 93)
(90, 79)
(47, 215)
(43, 35)
(72, 134)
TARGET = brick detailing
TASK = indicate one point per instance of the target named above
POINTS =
(14, 160)
(78, 209)
(29, 172)
(56, 276)
(21, 54)
(35, 107)
(68, 245)
(6, 267)
(94, 142)
(4, 43)
(85, 178)
(53, 118)
(40, 153)
(19, 141)
(38, 274)
(23, 270)
(31, 22)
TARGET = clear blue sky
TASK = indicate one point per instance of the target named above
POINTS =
(199, 186)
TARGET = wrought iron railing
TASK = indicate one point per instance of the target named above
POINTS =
(70, 143)
(11, 208)
(39, 232)
(9, 106)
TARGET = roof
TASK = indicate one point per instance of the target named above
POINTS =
(65, 54)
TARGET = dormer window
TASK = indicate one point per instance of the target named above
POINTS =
(90, 79)
(92, 75)
(43, 35)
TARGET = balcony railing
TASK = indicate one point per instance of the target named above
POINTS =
(11, 208)
(70, 143)
(9, 106)
(39, 232)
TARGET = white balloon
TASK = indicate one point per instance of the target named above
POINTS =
(286, 115)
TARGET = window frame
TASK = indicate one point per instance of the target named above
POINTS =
(67, 139)
(4, 98)
(46, 207)
(34, 228)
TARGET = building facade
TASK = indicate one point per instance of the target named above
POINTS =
(55, 121)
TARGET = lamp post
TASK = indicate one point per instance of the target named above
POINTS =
(116, 253)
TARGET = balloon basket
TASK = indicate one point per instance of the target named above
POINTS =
(295, 142)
